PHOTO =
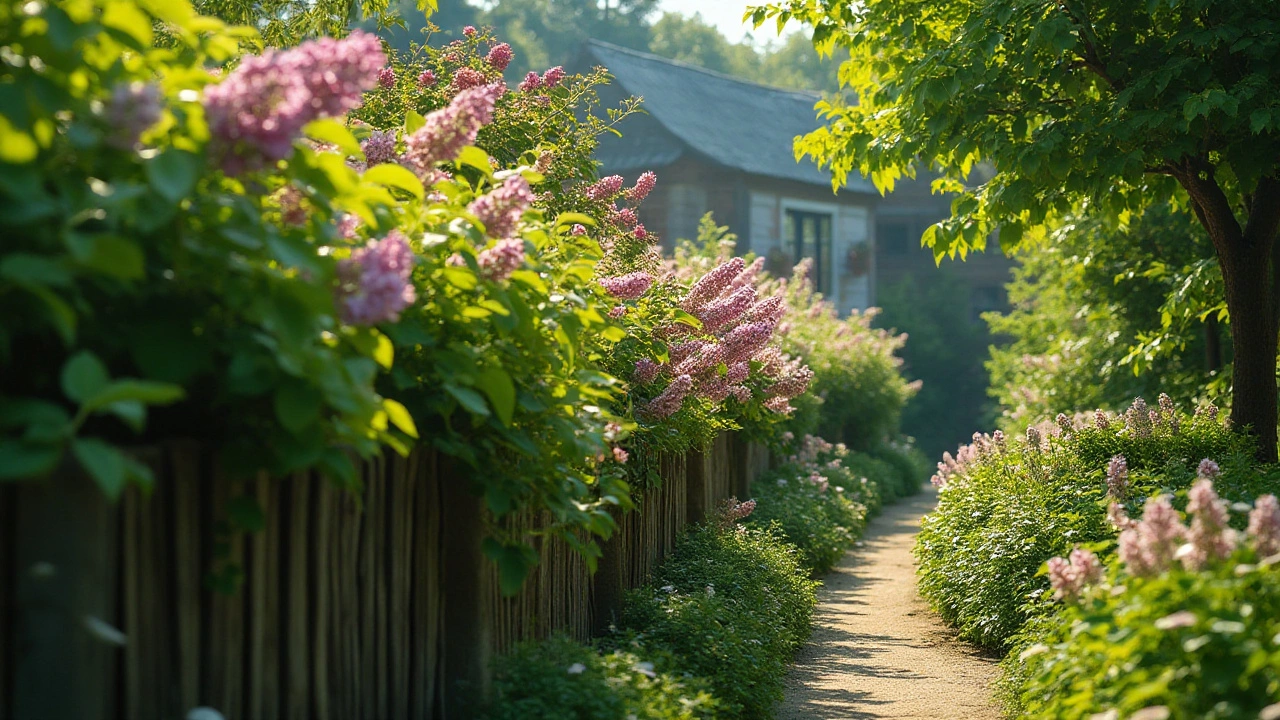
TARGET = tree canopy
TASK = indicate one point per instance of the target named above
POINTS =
(1103, 106)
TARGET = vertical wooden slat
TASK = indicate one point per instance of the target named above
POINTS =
(264, 604)
(402, 558)
(426, 588)
(318, 590)
(226, 672)
(188, 562)
(64, 558)
(7, 580)
(346, 583)
(131, 552)
(298, 646)
(466, 632)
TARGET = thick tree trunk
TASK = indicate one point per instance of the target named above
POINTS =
(1212, 344)
(1247, 256)
(1253, 337)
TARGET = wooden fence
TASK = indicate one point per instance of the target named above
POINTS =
(378, 606)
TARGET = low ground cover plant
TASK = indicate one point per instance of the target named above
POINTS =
(1183, 625)
(559, 679)
(1006, 506)
(732, 605)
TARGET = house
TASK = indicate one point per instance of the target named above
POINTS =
(724, 145)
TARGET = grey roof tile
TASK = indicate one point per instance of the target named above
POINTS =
(733, 122)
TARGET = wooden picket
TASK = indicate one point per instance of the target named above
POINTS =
(377, 605)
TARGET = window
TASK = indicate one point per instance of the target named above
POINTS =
(894, 236)
(986, 298)
(808, 235)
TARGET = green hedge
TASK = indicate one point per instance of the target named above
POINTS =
(1002, 515)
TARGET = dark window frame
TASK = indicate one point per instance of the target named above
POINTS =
(798, 221)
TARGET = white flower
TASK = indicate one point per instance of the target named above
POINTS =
(577, 669)
(668, 588)
(711, 591)
(646, 669)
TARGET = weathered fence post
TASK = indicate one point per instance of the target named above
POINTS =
(606, 584)
(740, 457)
(466, 630)
(63, 604)
(697, 495)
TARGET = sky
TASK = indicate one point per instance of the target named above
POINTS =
(726, 15)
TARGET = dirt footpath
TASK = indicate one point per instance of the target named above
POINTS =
(877, 650)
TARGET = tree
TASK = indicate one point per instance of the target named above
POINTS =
(1100, 316)
(690, 39)
(1104, 105)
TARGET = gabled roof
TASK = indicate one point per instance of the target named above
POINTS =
(729, 121)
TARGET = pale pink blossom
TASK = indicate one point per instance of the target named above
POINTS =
(712, 285)
(449, 129)
(1118, 477)
(500, 56)
(502, 209)
(498, 262)
(374, 284)
(671, 399)
(644, 185)
(467, 78)
(605, 188)
(646, 371)
(1264, 525)
(628, 287)
(1149, 547)
(1209, 538)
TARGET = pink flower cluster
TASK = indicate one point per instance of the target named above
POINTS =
(258, 110)
(1151, 545)
(379, 147)
(451, 128)
(132, 110)
(387, 77)
(500, 56)
(1118, 477)
(605, 188)
(467, 78)
(426, 79)
(1069, 577)
(501, 209)
(498, 262)
(374, 284)
(549, 79)
(645, 185)
(628, 287)
(670, 400)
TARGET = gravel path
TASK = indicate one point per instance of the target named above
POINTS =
(877, 650)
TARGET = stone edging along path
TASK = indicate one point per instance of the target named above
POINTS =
(877, 649)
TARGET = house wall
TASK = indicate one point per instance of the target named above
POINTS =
(851, 228)
(901, 219)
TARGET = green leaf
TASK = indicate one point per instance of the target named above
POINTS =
(570, 218)
(143, 391)
(514, 563)
(61, 313)
(333, 132)
(469, 399)
(297, 405)
(400, 417)
(683, 317)
(497, 384)
(613, 333)
(128, 19)
(473, 156)
(385, 352)
(20, 460)
(104, 463)
(28, 270)
(109, 254)
(16, 147)
(83, 376)
(395, 176)
(413, 122)
(173, 174)
(246, 514)
(131, 412)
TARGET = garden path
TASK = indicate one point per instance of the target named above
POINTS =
(877, 649)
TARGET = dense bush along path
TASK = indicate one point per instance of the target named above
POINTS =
(877, 650)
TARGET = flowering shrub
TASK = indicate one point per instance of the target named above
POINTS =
(732, 605)
(153, 285)
(220, 245)
(812, 501)
(1008, 505)
(560, 679)
(1188, 616)
(858, 389)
